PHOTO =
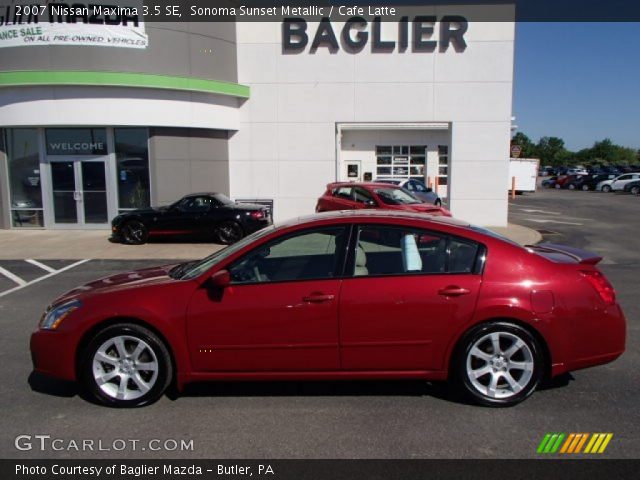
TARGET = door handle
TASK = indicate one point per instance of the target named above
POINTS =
(453, 291)
(318, 298)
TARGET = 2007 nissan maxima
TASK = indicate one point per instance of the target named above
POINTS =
(340, 295)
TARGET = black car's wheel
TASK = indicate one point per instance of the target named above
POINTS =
(635, 190)
(558, 186)
(606, 188)
(585, 188)
(498, 364)
(126, 365)
(229, 232)
(572, 186)
(134, 232)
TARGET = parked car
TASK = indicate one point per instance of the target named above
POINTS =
(633, 187)
(549, 182)
(563, 180)
(589, 182)
(618, 183)
(577, 171)
(210, 216)
(353, 196)
(575, 182)
(418, 188)
(350, 295)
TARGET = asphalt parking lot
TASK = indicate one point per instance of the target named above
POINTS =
(343, 420)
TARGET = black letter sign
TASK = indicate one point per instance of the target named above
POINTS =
(294, 35)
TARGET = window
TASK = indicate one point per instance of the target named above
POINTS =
(401, 161)
(443, 165)
(23, 155)
(307, 256)
(197, 204)
(387, 250)
(360, 195)
(76, 141)
(395, 196)
(343, 192)
(132, 160)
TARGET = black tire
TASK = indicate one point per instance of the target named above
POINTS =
(229, 232)
(635, 190)
(585, 188)
(572, 186)
(505, 395)
(134, 232)
(558, 186)
(606, 188)
(88, 370)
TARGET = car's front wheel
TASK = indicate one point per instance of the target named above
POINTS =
(498, 364)
(585, 188)
(572, 186)
(126, 365)
(134, 232)
(229, 232)
(606, 188)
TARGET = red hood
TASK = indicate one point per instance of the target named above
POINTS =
(422, 208)
(132, 279)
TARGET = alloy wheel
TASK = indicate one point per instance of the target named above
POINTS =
(125, 367)
(499, 365)
(229, 233)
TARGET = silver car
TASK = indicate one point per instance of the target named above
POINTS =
(419, 189)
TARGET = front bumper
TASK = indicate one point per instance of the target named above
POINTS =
(53, 354)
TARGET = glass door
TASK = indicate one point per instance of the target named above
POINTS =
(80, 192)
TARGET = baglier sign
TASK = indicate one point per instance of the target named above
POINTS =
(77, 24)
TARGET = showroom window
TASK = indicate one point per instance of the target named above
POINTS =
(132, 161)
(23, 155)
(443, 165)
(401, 161)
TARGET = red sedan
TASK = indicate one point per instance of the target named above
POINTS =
(342, 295)
(355, 196)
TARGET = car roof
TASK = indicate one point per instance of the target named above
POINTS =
(202, 194)
(376, 214)
(361, 184)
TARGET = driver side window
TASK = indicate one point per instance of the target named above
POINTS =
(311, 255)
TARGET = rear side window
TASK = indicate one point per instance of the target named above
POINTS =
(390, 250)
(343, 192)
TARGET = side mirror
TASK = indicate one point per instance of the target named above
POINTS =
(220, 279)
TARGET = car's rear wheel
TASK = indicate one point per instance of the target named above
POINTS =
(585, 188)
(126, 365)
(558, 186)
(606, 188)
(572, 186)
(498, 364)
(135, 233)
(635, 190)
(229, 232)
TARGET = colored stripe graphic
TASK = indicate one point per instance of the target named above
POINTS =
(573, 443)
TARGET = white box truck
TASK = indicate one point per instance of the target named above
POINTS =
(525, 173)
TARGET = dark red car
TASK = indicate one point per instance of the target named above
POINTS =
(354, 196)
(343, 295)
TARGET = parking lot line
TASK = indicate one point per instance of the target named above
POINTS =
(44, 267)
(13, 277)
(49, 275)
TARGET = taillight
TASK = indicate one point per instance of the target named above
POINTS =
(601, 284)
(258, 214)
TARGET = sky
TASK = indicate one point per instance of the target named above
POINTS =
(578, 81)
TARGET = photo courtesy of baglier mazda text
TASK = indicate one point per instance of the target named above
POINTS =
(319, 240)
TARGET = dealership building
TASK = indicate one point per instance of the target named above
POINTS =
(116, 114)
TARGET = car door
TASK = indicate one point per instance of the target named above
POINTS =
(363, 198)
(280, 312)
(409, 291)
(342, 198)
(187, 217)
(621, 181)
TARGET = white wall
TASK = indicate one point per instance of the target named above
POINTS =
(285, 148)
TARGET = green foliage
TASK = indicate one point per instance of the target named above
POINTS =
(552, 151)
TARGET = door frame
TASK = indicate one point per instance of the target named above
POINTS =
(47, 187)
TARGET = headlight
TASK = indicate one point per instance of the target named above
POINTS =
(54, 317)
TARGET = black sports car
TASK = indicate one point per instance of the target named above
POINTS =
(211, 216)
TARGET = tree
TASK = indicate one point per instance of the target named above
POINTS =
(529, 149)
(551, 151)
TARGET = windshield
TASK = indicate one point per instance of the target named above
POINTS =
(396, 196)
(191, 270)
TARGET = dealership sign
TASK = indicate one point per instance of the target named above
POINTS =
(422, 33)
(25, 24)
